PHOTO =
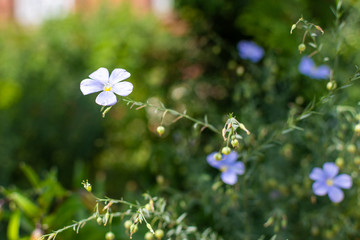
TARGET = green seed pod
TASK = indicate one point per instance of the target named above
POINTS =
(160, 130)
(106, 218)
(218, 156)
(159, 234)
(301, 47)
(226, 150)
(148, 207)
(127, 224)
(351, 148)
(109, 236)
(133, 228)
(340, 162)
(357, 129)
(234, 143)
(331, 85)
(99, 220)
(357, 160)
(149, 236)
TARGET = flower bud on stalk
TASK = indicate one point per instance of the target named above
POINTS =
(301, 47)
(226, 150)
(127, 224)
(218, 156)
(357, 129)
(159, 234)
(234, 143)
(160, 130)
(149, 236)
(110, 236)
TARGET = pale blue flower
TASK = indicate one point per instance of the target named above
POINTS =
(228, 165)
(327, 182)
(250, 51)
(308, 68)
(100, 81)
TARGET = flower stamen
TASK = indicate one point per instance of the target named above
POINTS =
(107, 88)
(329, 182)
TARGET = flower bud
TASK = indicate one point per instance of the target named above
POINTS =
(148, 225)
(148, 207)
(99, 220)
(340, 162)
(269, 222)
(357, 129)
(357, 160)
(226, 150)
(292, 28)
(351, 148)
(234, 143)
(218, 156)
(87, 185)
(133, 228)
(160, 130)
(301, 47)
(127, 224)
(159, 233)
(110, 236)
(106, 218)
(331, 85)
(149, 236)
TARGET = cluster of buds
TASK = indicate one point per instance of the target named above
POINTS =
(230, 135)
(87, 185)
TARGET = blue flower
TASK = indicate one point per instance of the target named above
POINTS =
(100, 81)
(250, 50)
(308, 68)
(228, 165)
(327, 182)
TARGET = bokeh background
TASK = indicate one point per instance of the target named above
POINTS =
(182, 53)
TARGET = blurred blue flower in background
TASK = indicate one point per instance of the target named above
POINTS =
(326, 182)
(308, 68)
(250, 51)
(228, 165)
(100, 81)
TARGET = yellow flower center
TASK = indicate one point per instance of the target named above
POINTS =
(329, 182)
(223, 169)
(107, 88)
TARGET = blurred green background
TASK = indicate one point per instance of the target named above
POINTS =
(52, 137)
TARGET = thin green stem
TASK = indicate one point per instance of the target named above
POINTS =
(76, 226)
(162, 108)
(121, 201)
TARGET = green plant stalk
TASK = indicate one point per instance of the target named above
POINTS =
(162, 108)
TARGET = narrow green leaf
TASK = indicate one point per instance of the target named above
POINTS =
(31, 175)
(14, 225)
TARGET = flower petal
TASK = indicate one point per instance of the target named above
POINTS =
(238, 168)
(330, 169)
(343, 181)
(122, 88)
(213, 162)
(322, 72)
(250, 50)
(230, 158)
(306, 66)
(317, 174)
(88, 86)
(229, 177)
(118, 75)
(335, 194)
(106, 98)
(320, 188)
(102, 75)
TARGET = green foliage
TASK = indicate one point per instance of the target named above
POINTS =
(296, 123)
